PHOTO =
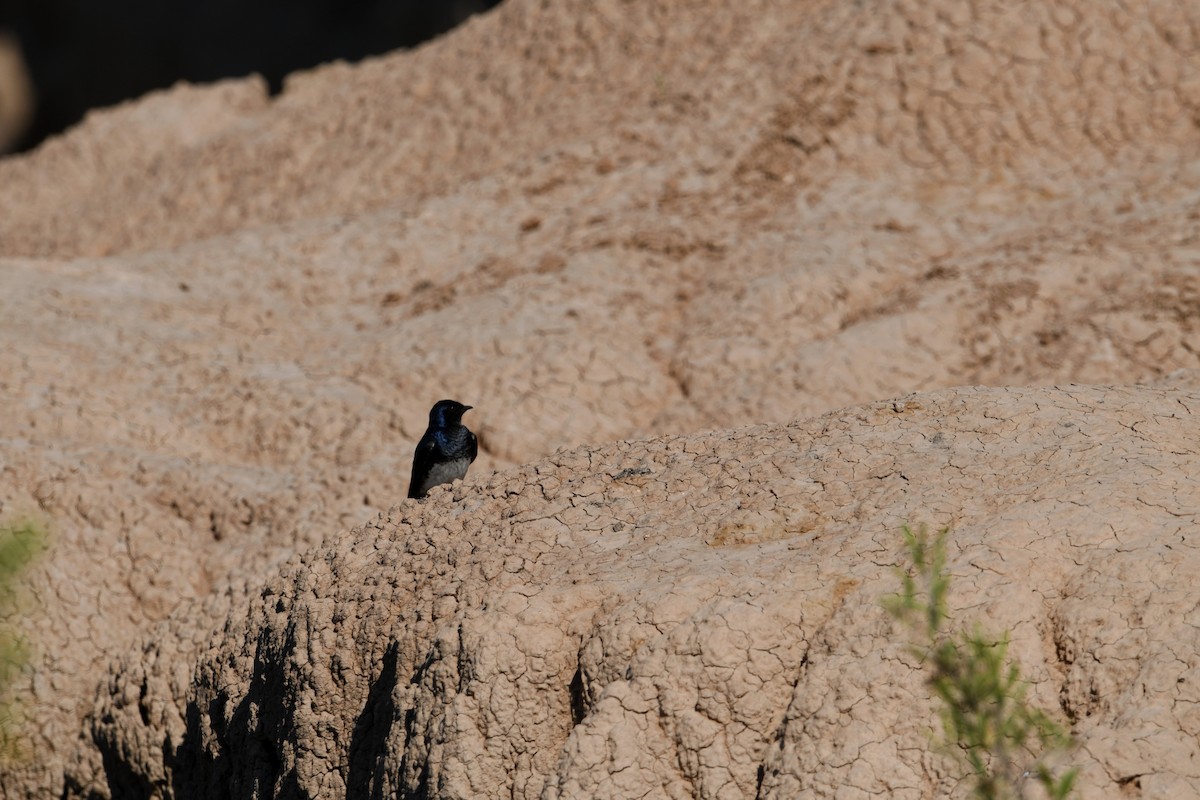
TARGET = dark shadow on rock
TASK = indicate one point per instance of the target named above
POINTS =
(196, 771)
(578, 701)
(243, 759)
(124, 782)
(368, 742)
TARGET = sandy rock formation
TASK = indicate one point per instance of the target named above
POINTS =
(700, 616)
(224, 318)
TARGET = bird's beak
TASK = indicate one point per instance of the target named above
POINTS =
(467, 408)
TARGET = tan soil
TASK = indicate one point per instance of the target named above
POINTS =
(224, 317)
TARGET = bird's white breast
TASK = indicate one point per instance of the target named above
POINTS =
(444, 473)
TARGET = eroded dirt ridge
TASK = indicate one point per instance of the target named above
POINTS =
(700, 616)
(224, 318)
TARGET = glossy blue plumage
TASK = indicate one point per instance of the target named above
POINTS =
(445, 451)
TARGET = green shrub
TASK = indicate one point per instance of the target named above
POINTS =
(20, 542)
(986, 721)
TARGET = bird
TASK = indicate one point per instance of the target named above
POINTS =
(445, 451)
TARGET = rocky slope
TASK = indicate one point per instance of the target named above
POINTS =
(224, 318)
(699, 616)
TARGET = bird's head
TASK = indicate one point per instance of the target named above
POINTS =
(447, 412)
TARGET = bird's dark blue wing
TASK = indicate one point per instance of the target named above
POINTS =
(423, 460)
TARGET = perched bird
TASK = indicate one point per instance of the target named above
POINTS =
(445, 451)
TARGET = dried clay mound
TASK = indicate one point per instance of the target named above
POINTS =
(223, 319)
(700, 617)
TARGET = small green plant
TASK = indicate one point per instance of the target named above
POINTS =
(986, 721)
(20, 542)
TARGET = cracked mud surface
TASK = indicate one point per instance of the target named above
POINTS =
(634, 231)
(699, 616)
